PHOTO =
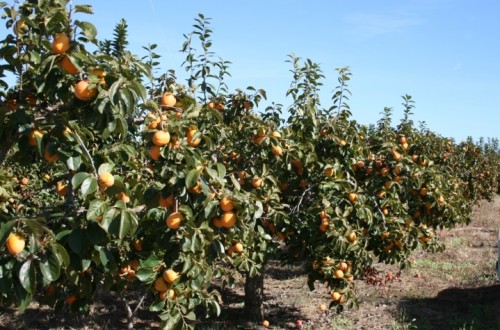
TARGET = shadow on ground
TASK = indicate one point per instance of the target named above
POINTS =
(455, 308)
(108, 312)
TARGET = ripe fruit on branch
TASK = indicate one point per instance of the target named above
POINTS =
(167, 201)
(336, 296)
(217, 222)
(338, 273)
(123, 197)
(70, 299)
(99, 73)
(276, 134)
(297, 165)
(329, 171)
(154, 152)
(396, 155)
(174, 220)
(161, 138)
(60, 44)
(160, 285)
(248, 105)
(226, 204)
(170, 294)
(196, 189)
(83, 92)
(238, 247)
(324, 225)
(360, 164)
(256, 182)
(228, 219)
(15, 243)
(138, 247)
(190, 135)
(68, 66)
(168, 100)
(352, 197)
(154, 121)
(33, 135)
(277, 150)
(170, 276)
(50, 157)
(20, 28)
(216, 105)
(61, 189)
(106, 180)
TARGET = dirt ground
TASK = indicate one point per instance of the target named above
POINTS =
(455, 289)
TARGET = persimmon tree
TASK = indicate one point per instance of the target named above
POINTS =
(115, 176)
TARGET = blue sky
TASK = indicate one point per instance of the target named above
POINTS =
(445, 53)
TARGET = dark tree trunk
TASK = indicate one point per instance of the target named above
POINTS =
(254, 297)
(7, 142)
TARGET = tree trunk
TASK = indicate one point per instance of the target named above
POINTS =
(7, 142)
(254, 297)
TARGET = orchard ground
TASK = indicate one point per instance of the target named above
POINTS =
(455, 289)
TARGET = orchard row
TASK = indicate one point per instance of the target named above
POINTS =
(116, 179)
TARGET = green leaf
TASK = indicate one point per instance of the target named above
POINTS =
(215, 308)
(146, 275)
(78, 242)
(105, 257)
(88, 29)
(136, 86)
(74, 163)
(95, 234)
(127, 101)
(89, 186)
(151, 262)
(36, 227)
(259, 211)
(108, 218)
(50, 267)
(85, 264)
(235, 182)
(105, 167)
(60, 252)
(114, 95)
(120, 226)
(157, 306)
(221, 169)
(78, 178)
(27, 276)
(190, 316)
(192, 178)
(23, 298)
(5, 229)
(195, 244)
(174, 321)
(96, 208)
(87, 9)
(124, 225)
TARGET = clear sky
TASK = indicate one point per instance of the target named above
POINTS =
(445, 53)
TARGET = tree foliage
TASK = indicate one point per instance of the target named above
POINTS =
(120, 177)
